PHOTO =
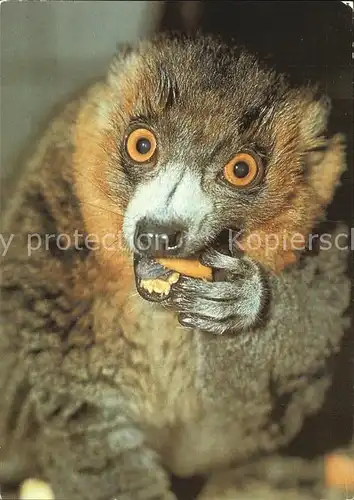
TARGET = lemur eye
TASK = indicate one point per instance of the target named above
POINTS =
(244, 170)
(141, 145)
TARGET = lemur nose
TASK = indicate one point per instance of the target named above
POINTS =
(157, 240)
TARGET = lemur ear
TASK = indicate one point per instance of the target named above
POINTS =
(325, 157)
(123, 55)
(315, 119)
(325, 168)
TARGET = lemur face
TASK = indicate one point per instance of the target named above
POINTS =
(199, 139)
(192, 168)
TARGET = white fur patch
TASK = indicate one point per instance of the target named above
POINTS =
(174, 195)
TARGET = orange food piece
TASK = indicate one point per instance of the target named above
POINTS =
(339, 471)
(189, 267)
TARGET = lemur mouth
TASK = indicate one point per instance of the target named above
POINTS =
(153, 281)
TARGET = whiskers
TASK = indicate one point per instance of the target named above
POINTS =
(94, 184)
(104, 209)
(121, 214)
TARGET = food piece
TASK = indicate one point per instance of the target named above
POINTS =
(158, 285)
(339, 471)
(33, 489)
(189, 267)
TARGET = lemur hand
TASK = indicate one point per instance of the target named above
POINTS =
(232, 303)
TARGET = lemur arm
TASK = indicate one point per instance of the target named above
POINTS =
(55, 385)
(55, 376)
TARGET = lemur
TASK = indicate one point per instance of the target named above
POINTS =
(107, 390)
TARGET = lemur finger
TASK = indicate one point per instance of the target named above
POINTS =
(248, 288)
(215, 259)
(211, 326)
(218, 310)
(247, 307)
(235, 265)
(221, 290)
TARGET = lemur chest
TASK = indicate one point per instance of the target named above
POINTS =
(157, 364)
(159, 376)
(170, 405)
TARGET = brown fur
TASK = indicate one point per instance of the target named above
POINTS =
(93, 150)
(306, 208)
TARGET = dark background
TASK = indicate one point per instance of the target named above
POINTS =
(308, 40)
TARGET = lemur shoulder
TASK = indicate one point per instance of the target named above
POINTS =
(118, 389)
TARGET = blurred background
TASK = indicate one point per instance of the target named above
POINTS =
(50, 49)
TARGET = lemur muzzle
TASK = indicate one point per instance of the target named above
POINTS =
(156, 240)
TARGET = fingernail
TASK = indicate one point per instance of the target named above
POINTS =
(185, 321)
